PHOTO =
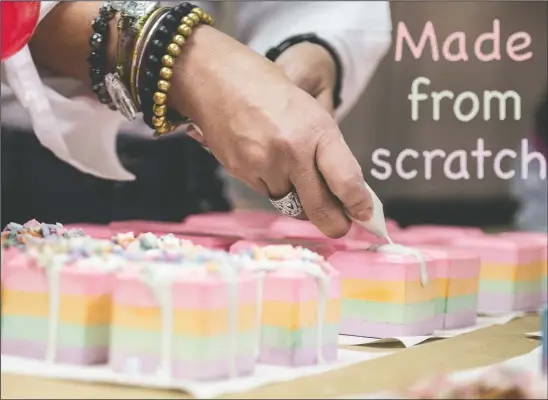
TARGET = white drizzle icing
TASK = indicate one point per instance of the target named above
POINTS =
(309, 267)
(392, 248)
(160, 278)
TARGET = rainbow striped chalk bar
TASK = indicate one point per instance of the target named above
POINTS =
(386, 295)
(184, 320)
(457, 283)
(542, 240)
(300, 313)
(510, 276)
(57, 307)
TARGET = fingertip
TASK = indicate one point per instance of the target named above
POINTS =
(363, 214)
(337, 229)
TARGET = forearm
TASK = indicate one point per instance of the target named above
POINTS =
(61, 41)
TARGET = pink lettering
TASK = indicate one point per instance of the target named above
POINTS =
(494, 36)
(460, 39)
(428, 34)
(487, 46)
(512, 47)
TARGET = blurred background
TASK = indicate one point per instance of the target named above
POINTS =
(382, 117)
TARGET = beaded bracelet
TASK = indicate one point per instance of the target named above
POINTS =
(97, 59)
(144, 37)
(154, 51)
(161, 120)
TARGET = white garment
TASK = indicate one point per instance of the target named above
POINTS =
(68, 120)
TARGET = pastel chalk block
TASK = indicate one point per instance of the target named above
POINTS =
(410, 238)
(213, 331)
(291, 228)
(382, 294)
(78, 313)
(8, 254)
(457, 285)
(248, 218)
(433, 234)
(510, 276)
(293, 332)
(542, 240)
(248, 224)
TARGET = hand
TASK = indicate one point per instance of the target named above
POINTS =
(266, 131)
(311, 67)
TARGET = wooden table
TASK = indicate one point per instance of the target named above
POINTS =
(399, 370)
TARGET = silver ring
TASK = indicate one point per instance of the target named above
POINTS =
(289, 205)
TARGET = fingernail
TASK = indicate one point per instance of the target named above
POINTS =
(364, 215)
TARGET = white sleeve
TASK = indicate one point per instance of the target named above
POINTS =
(359, 31)
(79, 130)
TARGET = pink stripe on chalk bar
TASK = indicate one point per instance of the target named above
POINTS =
(533, 237)
(81, 282)
(364, 264)
(499, 249)
(458, 263)
(290, 286)
(195, 291)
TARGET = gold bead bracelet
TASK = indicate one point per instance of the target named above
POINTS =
(184, 30)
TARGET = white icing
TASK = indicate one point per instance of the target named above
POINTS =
(308, 267)
(260, 295)
(52, 264)
(398, 249)
(159, 278)
(377, 223)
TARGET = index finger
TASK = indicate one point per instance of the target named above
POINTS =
(343, 175)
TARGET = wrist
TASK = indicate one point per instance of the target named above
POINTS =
(194, 71)
(212, 70)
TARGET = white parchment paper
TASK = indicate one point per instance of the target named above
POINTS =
(264, 374)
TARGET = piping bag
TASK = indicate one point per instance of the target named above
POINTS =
(377, 226)
(377, 223)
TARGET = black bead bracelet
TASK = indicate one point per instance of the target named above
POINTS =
(153, 54)
(275, 52)
(97, 59)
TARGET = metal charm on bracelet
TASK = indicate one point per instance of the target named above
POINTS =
(130, 13)
(121, 98)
